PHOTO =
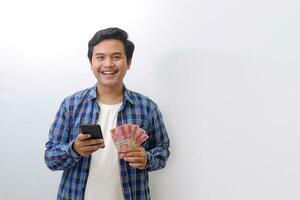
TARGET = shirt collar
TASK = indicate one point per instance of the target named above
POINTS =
(92, 92)
(127, 96)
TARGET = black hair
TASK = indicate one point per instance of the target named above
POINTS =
(112, 33)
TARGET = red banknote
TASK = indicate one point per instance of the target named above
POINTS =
(128, 135)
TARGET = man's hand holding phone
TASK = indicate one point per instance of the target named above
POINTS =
(85, 146)
(89, 140)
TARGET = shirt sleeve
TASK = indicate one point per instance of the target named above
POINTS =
(59, 154)
(158, 153)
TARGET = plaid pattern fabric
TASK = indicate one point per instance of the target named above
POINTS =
(82, 108)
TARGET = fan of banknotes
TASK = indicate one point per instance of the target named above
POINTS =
(128, 135)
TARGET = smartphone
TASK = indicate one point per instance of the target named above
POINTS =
(94, 130)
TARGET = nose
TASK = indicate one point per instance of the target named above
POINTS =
(108, 62)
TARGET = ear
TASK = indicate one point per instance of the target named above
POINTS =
(90, 64)
(129, 64)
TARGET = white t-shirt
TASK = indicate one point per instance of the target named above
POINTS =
(104, 182)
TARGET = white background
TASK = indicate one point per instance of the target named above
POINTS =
(225, 75)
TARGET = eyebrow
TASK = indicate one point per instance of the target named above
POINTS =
(101, 54)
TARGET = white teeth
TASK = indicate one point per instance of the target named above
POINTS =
(108, 73)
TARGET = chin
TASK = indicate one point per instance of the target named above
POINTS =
(108, 84)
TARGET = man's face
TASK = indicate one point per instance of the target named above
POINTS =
(109, 63)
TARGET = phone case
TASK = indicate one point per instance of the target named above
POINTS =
(94, 130)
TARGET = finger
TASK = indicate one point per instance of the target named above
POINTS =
(83, 137)
(134, 159)
(101, 145)
(93, 142)
(133, 154)
(90, 148)
(137, 165)
(129, 149)
(137, 151)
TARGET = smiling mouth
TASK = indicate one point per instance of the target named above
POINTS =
(109, 72)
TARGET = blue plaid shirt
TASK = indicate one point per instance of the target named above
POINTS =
(82, 108)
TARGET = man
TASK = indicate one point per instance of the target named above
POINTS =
(93, 168)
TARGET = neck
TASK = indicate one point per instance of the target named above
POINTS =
(110, 95)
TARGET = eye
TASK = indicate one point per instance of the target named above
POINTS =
(117, 57)
(100, 57)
